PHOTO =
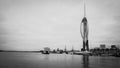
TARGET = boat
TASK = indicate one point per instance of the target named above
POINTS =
(83, 53)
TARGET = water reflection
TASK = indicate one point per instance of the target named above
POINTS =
(36, 60)
(85, 61)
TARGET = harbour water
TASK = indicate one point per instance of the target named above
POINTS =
(38, 60)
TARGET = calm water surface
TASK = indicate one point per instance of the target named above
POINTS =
(37, 60)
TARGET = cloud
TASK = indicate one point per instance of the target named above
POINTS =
(31, 25)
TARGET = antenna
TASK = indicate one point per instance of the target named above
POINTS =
(84, 8)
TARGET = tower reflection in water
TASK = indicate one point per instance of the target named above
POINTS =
(85, 61)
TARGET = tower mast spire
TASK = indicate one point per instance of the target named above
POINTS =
(84, 8)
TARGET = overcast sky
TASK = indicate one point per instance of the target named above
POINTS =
(34, 24)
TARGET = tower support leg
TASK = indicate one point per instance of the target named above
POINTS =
(87, 46)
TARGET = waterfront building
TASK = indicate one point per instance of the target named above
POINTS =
(113, 47)
(72, 49)
(102, 46)
(46, 50)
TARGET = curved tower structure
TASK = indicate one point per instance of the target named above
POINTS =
(84, 31)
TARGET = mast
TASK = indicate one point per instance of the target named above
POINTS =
(84, 8)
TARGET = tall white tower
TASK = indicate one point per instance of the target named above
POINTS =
(84, 30)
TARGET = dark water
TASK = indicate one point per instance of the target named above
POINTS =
(37, 60)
